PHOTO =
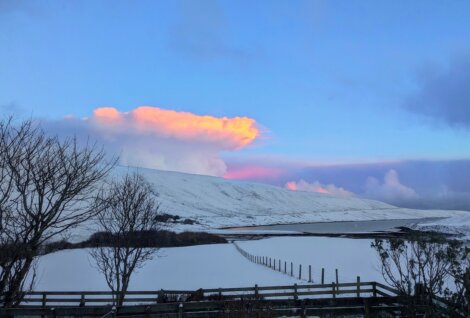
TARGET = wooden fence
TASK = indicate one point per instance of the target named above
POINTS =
(288, 268)
(98, 298)
(364, 298)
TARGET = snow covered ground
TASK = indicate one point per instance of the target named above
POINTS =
(352, 257)
(203, 266)
(219, 265)
(458, 225)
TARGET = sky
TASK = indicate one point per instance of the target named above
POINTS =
(362, 98)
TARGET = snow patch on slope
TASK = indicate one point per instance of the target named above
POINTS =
(457, 225)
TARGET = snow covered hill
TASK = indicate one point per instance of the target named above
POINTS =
(217, 202)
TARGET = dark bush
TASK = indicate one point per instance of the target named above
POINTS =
(160, 238)
(167, 218)
(57, 246)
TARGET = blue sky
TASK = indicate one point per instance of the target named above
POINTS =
(329, 82)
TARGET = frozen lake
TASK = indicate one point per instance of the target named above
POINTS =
(339, 227)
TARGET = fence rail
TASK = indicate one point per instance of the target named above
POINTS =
(364, 298)
(96, 298)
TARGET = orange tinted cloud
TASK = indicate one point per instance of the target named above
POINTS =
(228, 133)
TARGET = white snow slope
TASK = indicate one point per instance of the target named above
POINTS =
(217, 202)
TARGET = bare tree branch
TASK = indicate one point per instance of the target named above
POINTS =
(126, 208)
(46, 189)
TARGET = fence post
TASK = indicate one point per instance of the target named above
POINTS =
(309, 273)
(296, 296)
(279, 265)
(44, 299)
(300, 271)
(366, 308)
(270, 262)
(358, 286)
(323, 276)
(337, 280)
(256, 292)
(333, 289)
(291, 269)
(82, 300)
(285, 267)
(180, 310)
(274, 263)
(374, 289)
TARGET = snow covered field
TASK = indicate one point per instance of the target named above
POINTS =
(203, 266)
(352, 257)
(220, 265)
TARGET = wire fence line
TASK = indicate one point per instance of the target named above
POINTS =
(303, 273)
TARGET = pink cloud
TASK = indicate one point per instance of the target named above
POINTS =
(316, 186)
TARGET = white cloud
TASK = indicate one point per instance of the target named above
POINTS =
(390, 190)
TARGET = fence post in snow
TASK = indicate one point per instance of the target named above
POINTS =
(180, 310)
(285, 267)
(358, 286)
(309, 273)
(279, 265)
(291, 269)
(323, 276)
(274, 264)
(333, 289)
(295, 292)
(300, 271)
(337, 281)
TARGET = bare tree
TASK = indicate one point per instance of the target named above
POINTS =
(423, 267)
(128, 209)
(459, 295)
(46, 189)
